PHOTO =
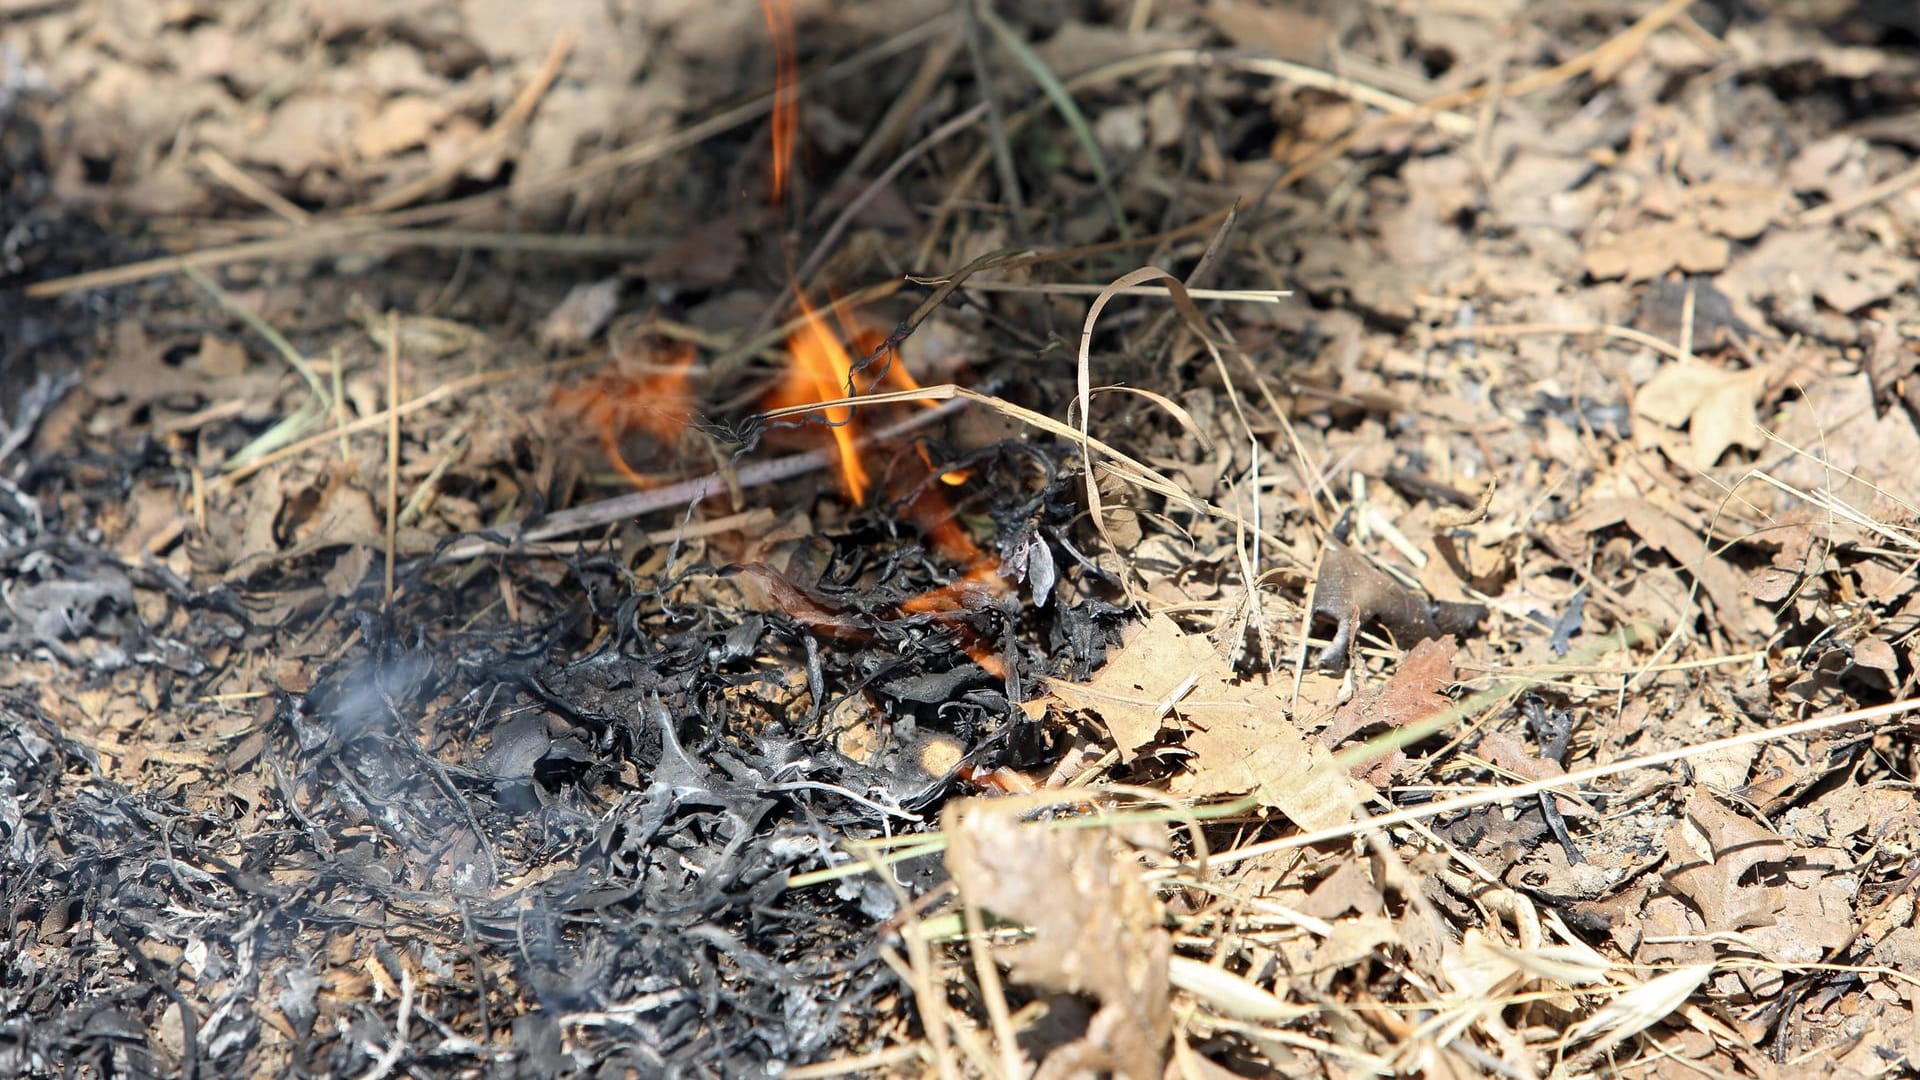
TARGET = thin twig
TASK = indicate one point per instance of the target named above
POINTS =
(996, 127)
(687, 492)
(393, 443)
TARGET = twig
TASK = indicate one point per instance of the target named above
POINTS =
(393, 442)
(1251, 296)
(1885, 189)
(243, 182)
(486, 141)
(359, 234)
(687, 492)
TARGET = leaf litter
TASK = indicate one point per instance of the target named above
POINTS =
(1487, 661)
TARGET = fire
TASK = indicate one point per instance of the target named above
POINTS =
(786, 101)
(821, 370)
(980, 577)
(657, 401)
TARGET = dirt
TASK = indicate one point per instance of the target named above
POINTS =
(448, 625)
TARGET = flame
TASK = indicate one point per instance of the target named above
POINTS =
(786, 99)
(614, 404)
(979, 579)
(822, 371)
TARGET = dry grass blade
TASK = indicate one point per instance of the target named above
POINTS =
(1571, 779)
(1231, 994)
(1177, 289)
(1062, 100)
(1640, 1008)
(309, 413)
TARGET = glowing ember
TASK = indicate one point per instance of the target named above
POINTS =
(786, 102)
(979, 581)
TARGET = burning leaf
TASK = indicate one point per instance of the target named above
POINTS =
(647, 396)
(1096, 928)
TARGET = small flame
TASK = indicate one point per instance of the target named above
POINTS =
(979, 580)
(822, 371)
(786, 100)
(657, 401)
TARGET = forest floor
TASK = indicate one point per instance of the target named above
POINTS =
(1382, 539)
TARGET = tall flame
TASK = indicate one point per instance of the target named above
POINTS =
(822, 371)
(786, 100)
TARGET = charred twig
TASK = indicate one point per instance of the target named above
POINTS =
(684, 493)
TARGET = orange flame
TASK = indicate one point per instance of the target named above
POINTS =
(822, 371)
(786, 100)
(978, 581)
(614, 404)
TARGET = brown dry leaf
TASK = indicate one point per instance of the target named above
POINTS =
(1132, 692)
(1244, 743)
(1647, 252)
(1740, 210)
(1538, 189)
(1412, 693)
(305, 132)
(1834, 167)
(1858, 279)
(1850, 446)
(1270, 30)
(401, 124)
(1717, 406)
(1724, 585)
(156, 513)
(1238, 734)
(1712, 850)
(221, 358)
(1096, 928)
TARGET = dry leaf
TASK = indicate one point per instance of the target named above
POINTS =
(1412, 693)
(1652, 250)
(1714, 404)
(401, 124)
(1096, 928)
(1249, 746)
(1133, 692)
(1711, 851)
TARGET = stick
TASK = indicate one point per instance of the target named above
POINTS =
(686, 492)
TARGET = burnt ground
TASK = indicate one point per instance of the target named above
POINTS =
(442, 632)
